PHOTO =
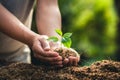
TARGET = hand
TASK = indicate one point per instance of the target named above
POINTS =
(73, 61)
(42, 51)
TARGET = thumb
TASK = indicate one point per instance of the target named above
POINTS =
(45, 44)
(54, 45)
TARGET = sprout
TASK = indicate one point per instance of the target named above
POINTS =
(66, 40)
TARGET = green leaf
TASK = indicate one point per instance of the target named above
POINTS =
(66, 42)
(54, 39)
(58, 31)
(67, 35)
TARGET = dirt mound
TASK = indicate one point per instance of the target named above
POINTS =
(101, 70)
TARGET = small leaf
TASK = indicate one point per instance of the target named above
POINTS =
(67, 35)
(58, 31)
(66, 42)
(54, 39)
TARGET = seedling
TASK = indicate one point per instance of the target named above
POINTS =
(65, 38)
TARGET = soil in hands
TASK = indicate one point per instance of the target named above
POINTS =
(66, 52)
(101, 70)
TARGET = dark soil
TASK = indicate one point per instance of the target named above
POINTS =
(101, 70)
(66, 52)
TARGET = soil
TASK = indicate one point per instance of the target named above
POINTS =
(101, 70)
(66, 52)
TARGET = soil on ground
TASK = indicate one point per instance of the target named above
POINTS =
(101, 70)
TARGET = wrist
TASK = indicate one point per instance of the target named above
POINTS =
(30, 38)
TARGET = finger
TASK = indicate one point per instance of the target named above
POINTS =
(45, 43)
(75, 61)
(41, 52)
(72, 60)
(49, 54)
(65, 62)
(56, 63)
(54, 45)
(78, 58)
(48, 59)
(37, 48)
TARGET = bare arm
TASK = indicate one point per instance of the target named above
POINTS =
(12, 27)
(48, 17)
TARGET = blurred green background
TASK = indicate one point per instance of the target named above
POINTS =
(94, 24)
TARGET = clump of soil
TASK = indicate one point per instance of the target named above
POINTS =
(66, 52)
(101, 70)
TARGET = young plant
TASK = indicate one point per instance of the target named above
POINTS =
(65, 38)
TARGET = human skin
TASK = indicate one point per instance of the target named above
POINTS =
(48, 19)
(12, 27)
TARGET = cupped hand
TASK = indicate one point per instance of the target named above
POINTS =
(71, 60)
(42, 51)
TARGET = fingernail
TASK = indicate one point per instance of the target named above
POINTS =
(60, 57)
(66, 59)
(46, 48)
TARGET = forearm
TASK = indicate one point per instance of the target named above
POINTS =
(48, 17)
(12, 27)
